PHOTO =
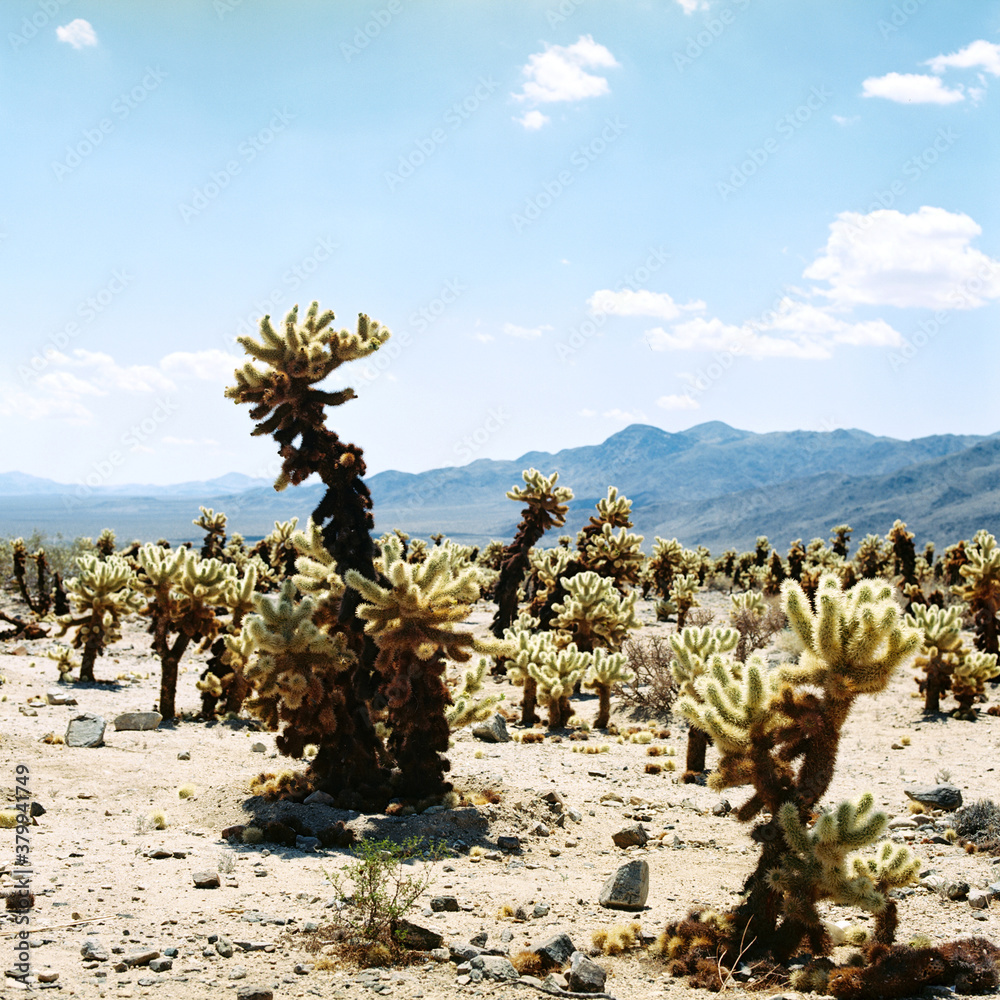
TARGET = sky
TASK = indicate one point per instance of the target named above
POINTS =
(572, 215)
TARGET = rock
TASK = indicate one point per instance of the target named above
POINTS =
(206, 880)
(19, 651)
(184, 755)
(85, 730)
(137, 721)
(509, 843)
(138, 958)
(957, 890)
(56, 696)
(556, 951)
(48, 977)
(237, 972)
(627, 888)
(938, 796)
(459, 952)
(258, 748)
(306, 844)
(254, 993)
(495, 967)
(310, 927)
(979, 900)
(903, 823)
(540, 910)
(440, 904)
(585, 976)
(611, 797)
(722, 808)
(541, 830)
(417, 936)
(161, 964)
(93, 950)
(224, 947)
(492, 730)
(630, 835)
(319, 798)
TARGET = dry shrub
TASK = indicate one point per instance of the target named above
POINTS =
(653, 768)
(653, 689)
(618, 938)
(528, 963)
(755, 630)
(532, 737)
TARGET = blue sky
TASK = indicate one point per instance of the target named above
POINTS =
(572, 216)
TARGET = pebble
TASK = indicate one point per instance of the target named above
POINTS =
(206, 880)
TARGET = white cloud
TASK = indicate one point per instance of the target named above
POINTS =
(104, 374)
(624, 416)
(533, 120)
(588, 413)
(690, 6)
(979, 53)
(911, 88)
(484, 338)
(921, 260)
(841, 120)
(78, 33)
(559, 74)
(38, 406)
(524, 332)
(676, 402)
(640, 303)
(210, 366)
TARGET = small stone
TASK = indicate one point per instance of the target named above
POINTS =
(937, 796)
(460, 952)
(440, 954)
(56, 696)
(495, 967)
(161, 964)
(903, 823)
(979, 900)
(441, 904)
(630, 835)
(237, 972)
(307, 844)
(595, 773)
(722, 808)
(138, 721)
(627, 888)
(233, 832)
(310, 927)
(541, 830)
(319, 798)
(48, 977)
(492, 730)
(509, 843)
(184, 755)
(302, 970)
(93, 950)
(224, 947)
(258, 748)
(417, 936)
(206, 880)
(85, 730)
(555, 951)
(138, 958)
(585, 976)
(254, 993)
(957, 890)
(611, 797)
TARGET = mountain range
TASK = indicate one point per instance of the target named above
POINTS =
(712, 485)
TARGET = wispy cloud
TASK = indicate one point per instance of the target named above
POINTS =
(78, 33)
(524, 332)
(678, 402)
(911, 88)
(560, 73)
(533, 120)
(690, 6)
(640, 303)
(977, 54)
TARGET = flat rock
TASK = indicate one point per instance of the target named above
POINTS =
(417, 936)
(556, 951)
(627, 888)
(495, 967)
(85, 730)
(584, 975)
(161, 964)
(319, 798)
(206, 880)
(492, 730)
(137, 721)
(93, 950)
(441, 904)
(630, 835)
(509, 843)
(254, 993)
(937, 796)
(141, 957)
(459, 952)
(56, 696)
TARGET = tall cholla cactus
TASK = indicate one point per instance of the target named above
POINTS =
(941, 652)
(981, 589)
(182, 592)
(214, 526)
(531, 647)
(693, 647)
(556, 671)
(413, 623)
(594, 615)
(102, 594)
(605, 670)
(779, 730)
(546, 508)
(968, 682)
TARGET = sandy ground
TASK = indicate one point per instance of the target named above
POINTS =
(90, 851)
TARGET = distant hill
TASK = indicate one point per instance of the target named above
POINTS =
(712, 485)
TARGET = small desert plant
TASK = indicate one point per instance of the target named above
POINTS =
(383, 891)
(652, 689)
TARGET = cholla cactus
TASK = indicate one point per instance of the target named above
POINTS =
(594, 615)
(841, 539)
(547, 566)
(968, 681)
(605, 670)
(105, 543)
(775, 575)
(556, 673)
(761, 550)
(616, 556)
(683, 596)
(546, 508)
(981, 589)
(182, 592)
(530, 647)
(942, 650)
(693, 648)
(871, 560)
(214, 526)
(466, 707)
(413, 621)
(102, 595)
(904, 553)
(779, 731)
(749, 601)
(667, 561)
